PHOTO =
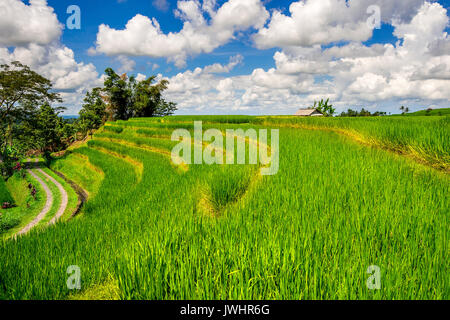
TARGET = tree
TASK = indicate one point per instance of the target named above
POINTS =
(403, 109)
(118, 95)
(21, 92)
(324, 107)
(93, 113)
(362, 113)
(126, 97)
(148, 101)
(49, 131)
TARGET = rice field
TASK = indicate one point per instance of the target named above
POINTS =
(341, 201)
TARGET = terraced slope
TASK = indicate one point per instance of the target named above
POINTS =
(154, 230)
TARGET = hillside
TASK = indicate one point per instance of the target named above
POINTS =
(340, 202)
(434, 112)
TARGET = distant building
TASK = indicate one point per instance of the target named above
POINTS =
(309, 113)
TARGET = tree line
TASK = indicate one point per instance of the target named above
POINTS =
(362, 113)
(30, 124)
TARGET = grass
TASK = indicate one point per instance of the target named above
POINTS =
(5, 196)
(434, 112)
(335, 208)
(77, 168)
(426, 139)
(27, 207)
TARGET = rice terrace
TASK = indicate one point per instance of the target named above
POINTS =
(141, 197)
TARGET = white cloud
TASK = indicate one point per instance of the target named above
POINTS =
(126, 64)
(21, 24)
(55, 62)
(141, 77)
(219, 68)
(143, 36)
(33, 33)
(312, 22)
(415, 71)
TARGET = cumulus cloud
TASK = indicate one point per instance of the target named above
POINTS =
(30, 34)
(313, 22)
(416, 70)
(219, 68)
(55, 62)
(126, 64)
(143, 36)
(21, 24)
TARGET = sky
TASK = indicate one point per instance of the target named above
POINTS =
(250, 57)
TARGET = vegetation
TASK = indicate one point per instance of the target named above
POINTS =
(426, 139)
(30, 125)
(362, 113)
(22, 91)
(223, 232)
(431, 112)
(129, 98)
(5, 196)
(27, 204)
(324, 107)
(341, 202)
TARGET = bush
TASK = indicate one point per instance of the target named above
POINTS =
(7, 223)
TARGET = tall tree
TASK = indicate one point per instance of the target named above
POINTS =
(21, 92)
(49, 130)
(126, 97)
(148, 100)
(119, 95)
(93, 113)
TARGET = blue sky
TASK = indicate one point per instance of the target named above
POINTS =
(116, 14)
(243, 56)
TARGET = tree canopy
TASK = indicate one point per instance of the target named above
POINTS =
(128, 98)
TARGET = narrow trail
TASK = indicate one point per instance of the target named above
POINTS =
(64, 197)
(45, 210)
(49, 202)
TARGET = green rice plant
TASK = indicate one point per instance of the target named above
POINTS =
(335, 208)
(115, 129)
(78, 169)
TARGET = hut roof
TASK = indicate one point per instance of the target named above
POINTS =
(307, 112)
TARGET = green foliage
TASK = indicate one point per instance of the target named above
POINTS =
(48, 132)
(324, 107)
(21, 92)
(93, 114)
(362, 113)
(5, 196)
(127, 98)
(148, 101)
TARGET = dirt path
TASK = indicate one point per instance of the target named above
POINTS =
(64, 197)
(45, 210)
(48, 204)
